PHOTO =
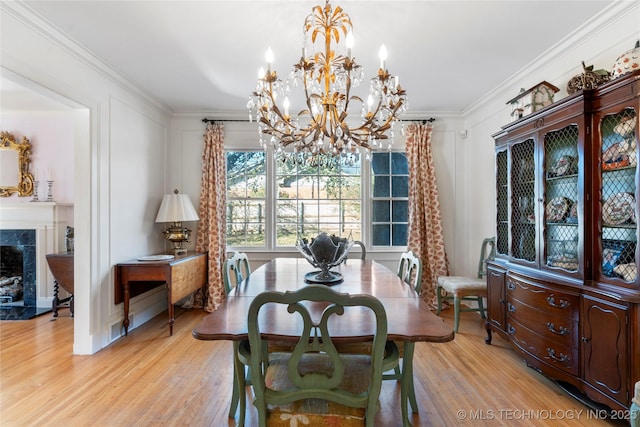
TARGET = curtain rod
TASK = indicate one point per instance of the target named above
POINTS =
(206, 120)
(423, 121)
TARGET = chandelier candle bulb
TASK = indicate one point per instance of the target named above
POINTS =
(269, 57)
(349, 42)
(383, 57)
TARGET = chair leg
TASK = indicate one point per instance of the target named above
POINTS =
(239, 387)
(481, 307)
(456, 313)
(407, 386)
(439, 295)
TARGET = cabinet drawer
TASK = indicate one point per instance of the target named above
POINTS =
(546, 299)
(559, 356)
(557, 327)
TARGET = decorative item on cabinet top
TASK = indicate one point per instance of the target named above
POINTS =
(627, 62)
(534, 99)
(589, 79)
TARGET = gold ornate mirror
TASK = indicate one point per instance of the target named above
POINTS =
(14, 166)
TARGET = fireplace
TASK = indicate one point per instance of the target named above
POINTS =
(28, 232)
(18, 267)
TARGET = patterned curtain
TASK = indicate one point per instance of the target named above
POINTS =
(426, 237)
(212, 225)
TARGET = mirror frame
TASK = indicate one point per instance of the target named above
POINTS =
(24, 186)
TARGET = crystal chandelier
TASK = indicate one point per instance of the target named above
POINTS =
(320, 134)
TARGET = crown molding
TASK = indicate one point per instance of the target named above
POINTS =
(45, 29)
(587, 31)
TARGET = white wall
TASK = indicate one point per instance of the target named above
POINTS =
(51, 136)
(120, 147)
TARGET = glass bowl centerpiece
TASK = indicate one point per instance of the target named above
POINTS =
(324, 252)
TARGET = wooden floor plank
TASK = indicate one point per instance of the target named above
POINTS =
(151, 379)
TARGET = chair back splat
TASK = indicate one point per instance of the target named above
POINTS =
(235, 270)
(410, 270)
(314, 380)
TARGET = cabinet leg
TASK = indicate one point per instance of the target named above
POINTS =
(487, 340)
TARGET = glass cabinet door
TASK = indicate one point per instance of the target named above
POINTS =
(618, 192)
(561, 228)
(523, 219)
(502, 204)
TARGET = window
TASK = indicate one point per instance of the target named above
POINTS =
(309, 199)
(389, 199)
(246, 198)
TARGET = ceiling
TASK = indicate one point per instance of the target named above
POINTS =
(204, 56)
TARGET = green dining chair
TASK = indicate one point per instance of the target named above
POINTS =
(235, 270)
(410, 271)
(460, 288)
(315, 382)
(363, 250)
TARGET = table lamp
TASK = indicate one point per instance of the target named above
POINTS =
(176, 208)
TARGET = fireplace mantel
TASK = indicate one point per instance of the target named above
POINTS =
(49, 220)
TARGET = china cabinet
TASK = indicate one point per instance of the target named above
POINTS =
(564, 287)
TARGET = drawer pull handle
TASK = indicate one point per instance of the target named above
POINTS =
(511, 307)
(562, 358)
(511, 329)
(562, 304)
(511, 285)
(560, 331)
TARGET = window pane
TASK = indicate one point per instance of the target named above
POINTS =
(399, 234)
(400, 186)
(381, 235)
(400, 211)
(399, 164)
(256, 186)
(381, 211)
(380, 163)
(381, 186)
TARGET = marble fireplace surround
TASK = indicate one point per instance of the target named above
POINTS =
(39, 229)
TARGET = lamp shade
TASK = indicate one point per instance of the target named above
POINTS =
(176, 208)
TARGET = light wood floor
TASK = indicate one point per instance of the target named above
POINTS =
(151, 379)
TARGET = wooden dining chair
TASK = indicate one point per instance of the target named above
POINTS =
(460, 288)
(315, 382)
(235, 270)
(410, 271)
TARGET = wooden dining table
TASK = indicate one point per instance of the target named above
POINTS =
(409, 318)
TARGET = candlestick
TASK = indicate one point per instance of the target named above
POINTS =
(35, 192)
(49, 191)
